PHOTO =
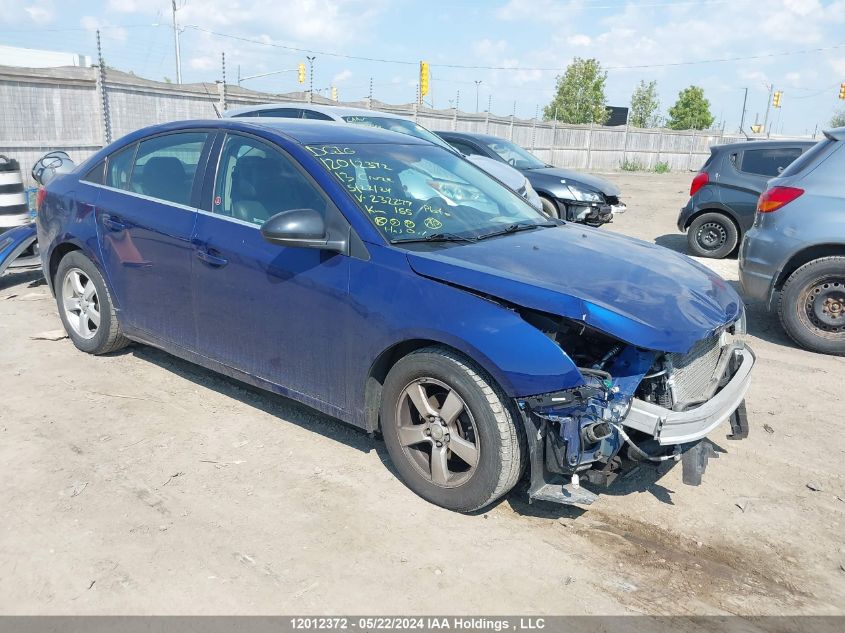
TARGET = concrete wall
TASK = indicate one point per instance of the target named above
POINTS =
(76, 109)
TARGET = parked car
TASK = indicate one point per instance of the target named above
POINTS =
(387, 121)
(724, 193)
(287, 254)
(793, 258)
(565, 193)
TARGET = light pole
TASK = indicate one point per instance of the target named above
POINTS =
(176, 45)
(477, 84)
(311, 80)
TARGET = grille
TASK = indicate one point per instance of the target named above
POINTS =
(694, 370)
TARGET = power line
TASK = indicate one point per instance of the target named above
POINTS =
(535, 68)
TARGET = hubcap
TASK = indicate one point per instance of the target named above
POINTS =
(81, 305)
(711, 235)
(825, 305)
(437, 432)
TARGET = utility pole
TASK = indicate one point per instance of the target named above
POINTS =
(311, 80)
(176, 44)
(771, 88)
(370, 96)
(477, 84)
(742, 118)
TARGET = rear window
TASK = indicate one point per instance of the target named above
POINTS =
(768, 161)
(812, 156)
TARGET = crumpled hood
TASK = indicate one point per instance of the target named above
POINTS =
(641, 293)
(595, 182)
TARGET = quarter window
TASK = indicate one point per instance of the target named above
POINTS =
(120, 168)
(165, 166)
(96, 173)
(256, 181)
(768, 162)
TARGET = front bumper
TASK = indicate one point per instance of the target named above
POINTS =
(679, 427)
(618, 209)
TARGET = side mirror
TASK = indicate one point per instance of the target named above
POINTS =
(305, 228)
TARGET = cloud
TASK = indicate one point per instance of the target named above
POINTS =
(342, 76)
(90, 23)
(204, 63)
(127, 6)
(40, 14)
(579, 40)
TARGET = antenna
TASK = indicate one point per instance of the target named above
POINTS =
(213, 105)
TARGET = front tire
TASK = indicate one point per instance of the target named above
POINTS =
(450, 431)
(812, 306)
(712, 235)
(85, 306)
(549, 207)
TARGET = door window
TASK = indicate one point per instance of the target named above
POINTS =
(768, 162)
(120, 167)
(256, 181)
(165, 166)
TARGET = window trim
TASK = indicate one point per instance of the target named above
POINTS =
(207, 206)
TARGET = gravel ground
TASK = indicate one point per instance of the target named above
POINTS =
(137, 483)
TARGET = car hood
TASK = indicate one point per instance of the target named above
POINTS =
(638, 292)
(513, 178)
(558, 173)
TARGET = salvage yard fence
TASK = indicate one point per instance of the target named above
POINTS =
(80, 110)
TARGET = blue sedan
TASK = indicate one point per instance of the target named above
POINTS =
(478, 336)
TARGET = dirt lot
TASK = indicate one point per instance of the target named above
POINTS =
(138, 483)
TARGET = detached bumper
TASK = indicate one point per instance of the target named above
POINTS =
(679, 427)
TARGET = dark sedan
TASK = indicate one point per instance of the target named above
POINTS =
(565, 193)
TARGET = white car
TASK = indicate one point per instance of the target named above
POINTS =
(509, 176)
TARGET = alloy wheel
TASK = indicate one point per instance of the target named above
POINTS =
(437, 432)
(81, 304)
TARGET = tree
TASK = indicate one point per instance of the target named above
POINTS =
(838, 119)
(691, 111)
(579, 94)
(644, 105)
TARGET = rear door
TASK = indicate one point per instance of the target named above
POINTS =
(752, 169)
(145, 218)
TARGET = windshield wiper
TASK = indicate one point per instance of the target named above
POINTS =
(437, 237)
(515, 227)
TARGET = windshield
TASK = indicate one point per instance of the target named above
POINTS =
(403, 126)
(414, 192)
(515, 155)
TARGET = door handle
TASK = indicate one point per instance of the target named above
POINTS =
(113, 225)
(212, 260)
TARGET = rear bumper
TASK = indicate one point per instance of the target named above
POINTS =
(679, 427)
(760, 259)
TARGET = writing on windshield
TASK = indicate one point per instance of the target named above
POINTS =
(412, 191)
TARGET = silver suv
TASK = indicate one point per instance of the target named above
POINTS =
(794, 255)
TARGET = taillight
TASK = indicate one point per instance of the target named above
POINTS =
(698, 182)
(39, 198)
(776, 197)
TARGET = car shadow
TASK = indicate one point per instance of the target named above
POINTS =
(285, 409)
(673, 241)
(763, 324)
(29, 276)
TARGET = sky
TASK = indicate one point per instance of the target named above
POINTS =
(516, 48)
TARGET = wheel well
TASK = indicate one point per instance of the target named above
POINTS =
(56, 256)
(701, 212)
(379, 370)
(807, 255)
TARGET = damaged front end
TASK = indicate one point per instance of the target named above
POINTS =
(639, 404)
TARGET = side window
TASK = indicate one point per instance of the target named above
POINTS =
(319, 116)
(285, 113)
(768, 162)
(165, 166)
(119, 168)
(465, 149)
(96, 173)
(256, 181)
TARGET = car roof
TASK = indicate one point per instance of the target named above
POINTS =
(302, 131)
(762, 144)
(336, 112)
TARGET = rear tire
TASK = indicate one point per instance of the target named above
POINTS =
(812, 306)
(482, 449)
(85, 306)
(712, 235)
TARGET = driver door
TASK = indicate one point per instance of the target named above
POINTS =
(275, 312)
